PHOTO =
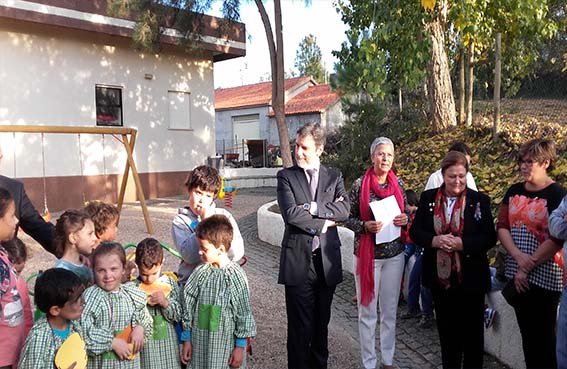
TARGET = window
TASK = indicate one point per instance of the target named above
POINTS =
(108, 106)
(179, 109)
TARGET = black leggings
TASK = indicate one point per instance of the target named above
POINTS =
(536, 312)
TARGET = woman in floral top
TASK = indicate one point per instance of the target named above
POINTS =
(523, 231)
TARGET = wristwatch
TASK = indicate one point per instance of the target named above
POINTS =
(307, 206)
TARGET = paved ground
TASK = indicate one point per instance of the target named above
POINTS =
(415, 347)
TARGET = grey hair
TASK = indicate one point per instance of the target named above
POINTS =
(380, 141)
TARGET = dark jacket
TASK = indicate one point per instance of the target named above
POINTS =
(30, 221)
(479, 235)
(300, 226)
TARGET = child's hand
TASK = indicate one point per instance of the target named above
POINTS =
(158, 298)
(121, 348)
(137, 338)
(236, 358)
(186, 352)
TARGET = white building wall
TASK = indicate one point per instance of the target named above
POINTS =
(223, 124)
(49, 78)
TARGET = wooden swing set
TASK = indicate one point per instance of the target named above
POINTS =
(128, 140)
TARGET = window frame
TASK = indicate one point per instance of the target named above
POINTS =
(120, 106)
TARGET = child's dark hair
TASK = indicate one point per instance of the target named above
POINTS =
(217, 230)
(412, 198)
(102, 214)
(149, 253)
(204, 177)
(72, 220)
(5, 201)
(54, 287)
(108, 248)
(17, 251)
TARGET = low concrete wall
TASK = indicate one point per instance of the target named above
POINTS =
(271, 230)
(503, 339)
(249, 177)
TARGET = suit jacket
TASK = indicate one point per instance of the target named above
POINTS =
(300, 226)
(30, 221)
(479, 235)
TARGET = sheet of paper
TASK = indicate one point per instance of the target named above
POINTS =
(385, 211)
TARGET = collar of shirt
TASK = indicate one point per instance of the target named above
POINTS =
(316, 166)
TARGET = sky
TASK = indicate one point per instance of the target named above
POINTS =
(299, 20)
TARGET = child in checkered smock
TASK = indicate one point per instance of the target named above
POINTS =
(217, 317)
(58, 295)
(115, 318)
(161, 350)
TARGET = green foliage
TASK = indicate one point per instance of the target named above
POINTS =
(308, 59)
(524, 25)
(153, 16)
(387, 46)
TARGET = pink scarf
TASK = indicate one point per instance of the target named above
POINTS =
(365, 254)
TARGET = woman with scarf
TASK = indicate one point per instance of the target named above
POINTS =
(455, 227)
(379, 267)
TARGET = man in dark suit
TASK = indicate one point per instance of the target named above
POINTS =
(311, 198)
(30, 220)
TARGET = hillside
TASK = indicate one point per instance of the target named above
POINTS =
(494, 164)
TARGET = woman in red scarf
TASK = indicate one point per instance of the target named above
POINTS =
(379, 267)
(455, 227)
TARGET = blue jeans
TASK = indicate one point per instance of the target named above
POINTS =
(416, 289)
(561, 346)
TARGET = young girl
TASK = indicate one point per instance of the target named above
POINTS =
(12, 327)
(161, 350)
(18, 254)
(75, 237)
(115, 318)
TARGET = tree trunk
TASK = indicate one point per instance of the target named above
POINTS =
(497, 79)
(470, 87)
(461, 85)
(400, 100)
(441, 100)
(277, 66)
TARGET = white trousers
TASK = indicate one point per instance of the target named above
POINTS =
(387, 279)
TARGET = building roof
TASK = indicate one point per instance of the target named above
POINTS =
(92, 16)
(258, 94)
(315, 99)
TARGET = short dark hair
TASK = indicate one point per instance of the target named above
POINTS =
(314, 130)
(149, 253)
(204, 177)
(17, 251)
(217, 230)
(461, 147)
(539, 150)
(109, 248)
(72, 220)
(412, 198)
(454, 158)
(55, 287)
(5, 201)
(102, 214)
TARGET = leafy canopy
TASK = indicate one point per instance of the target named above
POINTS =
(308, 59)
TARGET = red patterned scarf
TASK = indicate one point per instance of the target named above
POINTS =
(448, 263)
(365, 254)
